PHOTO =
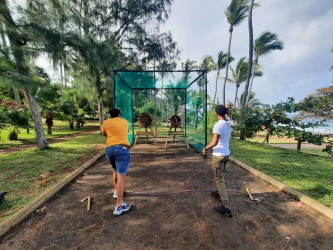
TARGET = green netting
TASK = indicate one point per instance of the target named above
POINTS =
(123, 101)
(171, 92)
(196, 124)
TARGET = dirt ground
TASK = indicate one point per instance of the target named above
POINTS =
(183, 220)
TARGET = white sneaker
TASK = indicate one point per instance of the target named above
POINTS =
(121, 209)
(115, 195)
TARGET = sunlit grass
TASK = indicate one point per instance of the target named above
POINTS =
(308, 174)
(59, 129)
(19, 170)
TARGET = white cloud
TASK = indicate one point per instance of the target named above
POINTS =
(200, 28)
(305, 27)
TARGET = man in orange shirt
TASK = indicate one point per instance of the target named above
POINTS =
(118, 153)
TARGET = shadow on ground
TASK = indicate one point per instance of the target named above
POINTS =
(174, 221)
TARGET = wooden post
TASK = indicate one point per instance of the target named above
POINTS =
(155, 126)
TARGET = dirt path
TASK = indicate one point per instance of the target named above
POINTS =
(178, 221)
(50, 141)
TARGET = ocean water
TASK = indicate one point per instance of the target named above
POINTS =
(322, 129)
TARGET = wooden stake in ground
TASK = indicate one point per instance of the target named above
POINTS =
(88, 202)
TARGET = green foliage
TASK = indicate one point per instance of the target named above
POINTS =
(276, 120)
(95, 38)
(318, 104)
(149, 109)
(236, 12)
(266, 43)
(211, 120)
(13, 117)
(328, 148)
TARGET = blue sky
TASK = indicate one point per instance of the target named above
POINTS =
(200, 28)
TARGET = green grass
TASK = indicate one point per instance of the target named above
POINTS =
(20, 170)
(273, 139)
(310, 175)
(59, 129)
(313, 151)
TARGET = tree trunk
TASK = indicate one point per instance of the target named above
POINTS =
(236, 95)
(100, 104)
(217, 77)
(299, 143)
(227, 64)
(248, 95)
(39, 130)
(242, 135)
(61, 75)
(49, 130)
(22, 70)
(16, 95)
(26, 97)
(101, 113)
(196, 120)
(71, 124)
(4, 41)
(49, 123)
(249, 71)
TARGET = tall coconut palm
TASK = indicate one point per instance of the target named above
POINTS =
(266, 43)
(235, 13)
(165, 66)
(207, 64)
(254, 102)
(221, 63)
(246, 90)
(188, 65)
(239, 75)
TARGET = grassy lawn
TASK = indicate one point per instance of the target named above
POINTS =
(20, 170)
(272, 139)
(313, 151)
(310, 175)
(59, 129)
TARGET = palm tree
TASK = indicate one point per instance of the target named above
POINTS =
(239, 75)
(235, 13)
(48, 98)
(189, 65)
(196, 103)
(266, 43)
(165, 66)
(332, 66)
(221, 63)
(243, 104)
(254, 103)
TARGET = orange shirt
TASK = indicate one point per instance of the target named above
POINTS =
(116, 130)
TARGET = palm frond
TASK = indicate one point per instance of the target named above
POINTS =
(266, 43)
(236, 12)
(222, 60)
(258, 73)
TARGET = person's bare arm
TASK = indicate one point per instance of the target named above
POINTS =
(213, 143)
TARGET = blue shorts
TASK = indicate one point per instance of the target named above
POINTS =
(119, 158)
